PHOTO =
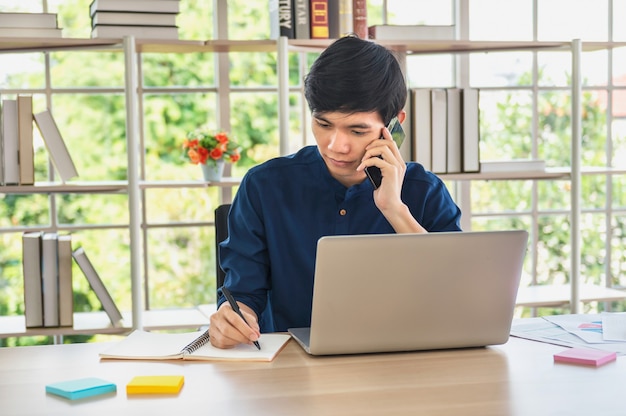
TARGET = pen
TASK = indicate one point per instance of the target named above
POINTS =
(233, 304)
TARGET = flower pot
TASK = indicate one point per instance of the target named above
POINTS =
(212, 171)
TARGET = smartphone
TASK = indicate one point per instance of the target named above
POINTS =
(398, 135)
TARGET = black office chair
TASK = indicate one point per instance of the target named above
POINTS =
(221, 232)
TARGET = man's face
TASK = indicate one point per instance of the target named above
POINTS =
(341, 139)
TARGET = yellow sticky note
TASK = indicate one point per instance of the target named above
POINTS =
(155, 385)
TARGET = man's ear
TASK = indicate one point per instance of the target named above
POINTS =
(401, 116)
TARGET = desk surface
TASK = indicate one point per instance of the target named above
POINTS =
(517, 378)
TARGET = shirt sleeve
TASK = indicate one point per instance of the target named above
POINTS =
(244, 254)
(431, 204)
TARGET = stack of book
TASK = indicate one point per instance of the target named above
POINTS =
(445, 124)
(48, 281)
(29, 25)
(47, 272)
(144, 19)
(17, 147)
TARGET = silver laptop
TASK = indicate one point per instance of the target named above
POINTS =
(408, 292)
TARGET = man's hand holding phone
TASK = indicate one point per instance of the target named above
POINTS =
(388, 155)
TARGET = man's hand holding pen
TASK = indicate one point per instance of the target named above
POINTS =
(232, 326)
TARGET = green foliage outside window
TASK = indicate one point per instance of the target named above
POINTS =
(182, 258)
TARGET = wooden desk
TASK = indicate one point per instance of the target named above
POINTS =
(518, 378)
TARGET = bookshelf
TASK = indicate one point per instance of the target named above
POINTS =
(135, 185)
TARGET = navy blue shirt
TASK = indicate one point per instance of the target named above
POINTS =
(284, 206)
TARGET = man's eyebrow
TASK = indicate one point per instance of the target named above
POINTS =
(352, 126)
(320, 117)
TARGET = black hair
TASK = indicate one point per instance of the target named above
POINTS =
(355, 75)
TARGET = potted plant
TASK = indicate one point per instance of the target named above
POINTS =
(210, 150)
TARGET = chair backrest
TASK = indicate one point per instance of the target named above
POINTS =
(221, 232)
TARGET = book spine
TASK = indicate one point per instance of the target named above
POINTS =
(515, 165)
(471, 131)
(31, 269)
(50, 278)
(160, 6)
(333, 19)
(411, 32)
(56, 146)
(38, 20)
(439, 126)
(319, 19)
(66, 293)
(302, 19)
(133, 19)
(345, 17)
(25, 133)
(359, 18)
(282, 21)
(97, 286)
(141, 32)
(10, 138)
(421, 109)
(453, 134)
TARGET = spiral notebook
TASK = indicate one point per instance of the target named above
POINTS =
(144, 345)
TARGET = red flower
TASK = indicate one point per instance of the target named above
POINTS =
(203, 146)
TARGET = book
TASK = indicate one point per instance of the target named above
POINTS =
(133, 19)
(471, 130)
(39, 20)
(66, 292)
(31, 32)
(453, 150)
(56, 146)
(345, 17)
(359, 18)
(585, 356)
(25, 134)
(98, 286)
(411, 32)
(31, 271)
(170, 384)
(81, 388)
(302, 18)
(140, 32)
(319, 19)
(439, 135)
(282, 21)
(50, 279)
(334, 19)
(514, 165)
(10, 142)
(420, 106)
(160, 6)
(194, 346)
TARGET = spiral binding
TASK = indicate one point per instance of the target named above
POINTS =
(197, 343)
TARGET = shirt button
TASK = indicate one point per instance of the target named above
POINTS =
(342, 212)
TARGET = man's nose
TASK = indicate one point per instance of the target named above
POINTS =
(339, 142)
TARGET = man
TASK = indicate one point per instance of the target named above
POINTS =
(283, 206)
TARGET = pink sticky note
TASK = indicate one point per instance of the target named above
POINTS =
(585, 356)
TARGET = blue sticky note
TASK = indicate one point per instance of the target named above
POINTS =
(81, 388)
